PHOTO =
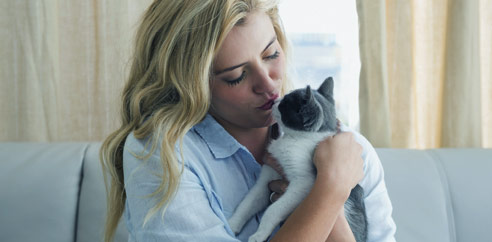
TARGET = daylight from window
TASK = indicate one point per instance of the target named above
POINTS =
(324, 41)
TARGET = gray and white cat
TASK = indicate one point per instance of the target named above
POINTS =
(305, 117)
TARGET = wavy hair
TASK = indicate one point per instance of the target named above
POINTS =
(167, 91)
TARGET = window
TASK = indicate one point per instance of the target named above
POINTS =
(325, 42)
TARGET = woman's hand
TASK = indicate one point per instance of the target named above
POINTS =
(277, 187)
(339, 162)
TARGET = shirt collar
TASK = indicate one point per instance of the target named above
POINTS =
(219, 141)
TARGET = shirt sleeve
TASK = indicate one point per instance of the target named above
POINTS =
(381, 227)
(190, 215)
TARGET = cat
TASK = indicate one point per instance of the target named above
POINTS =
(304, 117)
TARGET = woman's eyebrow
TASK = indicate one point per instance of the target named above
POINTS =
(270, 43)
(242, 64)
(230, 68)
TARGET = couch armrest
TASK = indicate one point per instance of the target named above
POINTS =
(92, 203)
(440, 194)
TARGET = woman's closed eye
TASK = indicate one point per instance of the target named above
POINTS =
(236, 80)
(274, 56)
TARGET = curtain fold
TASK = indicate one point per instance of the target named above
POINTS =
(63, 67)
(425, 79)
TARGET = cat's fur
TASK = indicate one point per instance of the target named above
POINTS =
(305, 117)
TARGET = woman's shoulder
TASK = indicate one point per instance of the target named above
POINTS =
(139, 145)
(190, 141)
(191, 145)
(372, 165)
(366, 145)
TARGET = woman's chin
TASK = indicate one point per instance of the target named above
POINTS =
(269, 121)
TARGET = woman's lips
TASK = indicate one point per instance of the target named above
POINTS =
(268, 105)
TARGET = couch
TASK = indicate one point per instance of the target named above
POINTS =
(55, 192)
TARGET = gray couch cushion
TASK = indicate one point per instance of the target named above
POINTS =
(39, 186)
(440, 194)
(420, 197)
(92, 206)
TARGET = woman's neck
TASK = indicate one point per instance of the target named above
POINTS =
(255, 140)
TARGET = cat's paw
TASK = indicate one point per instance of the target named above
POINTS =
(259, 236)
(235, 225)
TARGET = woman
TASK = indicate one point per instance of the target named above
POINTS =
(196, 121)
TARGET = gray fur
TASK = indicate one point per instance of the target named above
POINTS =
(303, 108)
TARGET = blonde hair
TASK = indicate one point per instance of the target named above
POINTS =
(168, 91)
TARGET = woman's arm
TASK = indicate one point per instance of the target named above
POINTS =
(376, 199)
(192, 215)
(341, 230)
(314, 218)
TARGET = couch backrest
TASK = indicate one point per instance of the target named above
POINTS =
(55, 192)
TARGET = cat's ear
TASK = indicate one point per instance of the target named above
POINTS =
(326, 88)
(309, 110)
(308, 94)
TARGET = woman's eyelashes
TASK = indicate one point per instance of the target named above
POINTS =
(274, 56)
(236, 81)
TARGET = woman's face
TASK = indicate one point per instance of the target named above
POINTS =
(247, 75)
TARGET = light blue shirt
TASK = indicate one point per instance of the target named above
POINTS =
(218, 172)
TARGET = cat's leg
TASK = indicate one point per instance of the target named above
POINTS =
(355, 212)
(256, 199)
(281, 209)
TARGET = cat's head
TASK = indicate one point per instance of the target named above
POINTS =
(309, 110)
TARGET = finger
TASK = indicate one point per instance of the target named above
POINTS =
(275, 197)
(278, 186)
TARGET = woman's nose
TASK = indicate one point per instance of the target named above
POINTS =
(264, 82)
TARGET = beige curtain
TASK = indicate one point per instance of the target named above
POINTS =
(426, 72)
(62, 67)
